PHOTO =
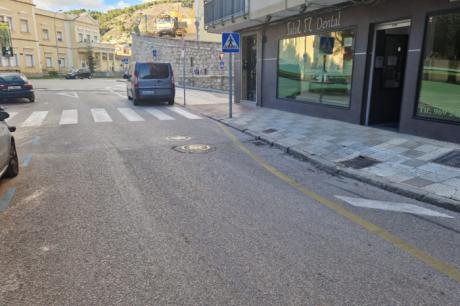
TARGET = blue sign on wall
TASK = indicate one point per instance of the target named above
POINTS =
(326, 44)
(125, 61)
(231, 42)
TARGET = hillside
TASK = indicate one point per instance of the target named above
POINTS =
(118, 24)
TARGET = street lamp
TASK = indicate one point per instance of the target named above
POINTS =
(57, 45)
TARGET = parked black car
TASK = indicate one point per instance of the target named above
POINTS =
(151, 81)
(81, 73)
(15, 85)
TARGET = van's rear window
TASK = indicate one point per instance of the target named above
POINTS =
(153, 71)
(12, 78)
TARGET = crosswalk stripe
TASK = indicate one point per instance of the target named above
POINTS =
(12, 114)
(130, 114)
(69, 116)
(36, 119)
(184, 113)
(158, 114)
(100, 115)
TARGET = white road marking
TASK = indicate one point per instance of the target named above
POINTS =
(392, 206)
(115, 92)
(158, 114)
(36, 119)
(184, 113)
(69, 116)
(130, 114)
(69, 94)
(12, 114)
(100, 115)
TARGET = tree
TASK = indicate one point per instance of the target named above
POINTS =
(91, 60)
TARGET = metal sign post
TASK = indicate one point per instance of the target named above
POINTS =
(184, 70)
(230, 44)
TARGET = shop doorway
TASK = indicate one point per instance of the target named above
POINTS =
(386, 82)
(249, 70)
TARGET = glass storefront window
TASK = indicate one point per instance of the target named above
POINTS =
(440, 87)
(316, 68)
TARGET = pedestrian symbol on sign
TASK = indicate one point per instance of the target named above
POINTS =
(231, 42)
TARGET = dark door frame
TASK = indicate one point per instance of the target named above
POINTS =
(245, 79)
(378, 27)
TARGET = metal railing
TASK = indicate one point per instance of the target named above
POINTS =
(216, 11)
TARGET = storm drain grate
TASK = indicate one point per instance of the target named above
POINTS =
(269, 131)
(259, 143)
(360, 162)
(194, 148)
(451, 159)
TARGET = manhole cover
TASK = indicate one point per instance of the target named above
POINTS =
(178, 138)
(360, 162)
(451, 159)
(269, 131)
(194, 148)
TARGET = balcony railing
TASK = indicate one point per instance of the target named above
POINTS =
(216, 11)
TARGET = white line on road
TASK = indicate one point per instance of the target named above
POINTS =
(100, 115)
(158, 114)
(36, 119)
(392, 206)
(69, 94)
(114, 92)
(69, 116)
(130, 114)
(184, 113)
(12, 114)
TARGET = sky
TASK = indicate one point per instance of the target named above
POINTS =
(97, 5)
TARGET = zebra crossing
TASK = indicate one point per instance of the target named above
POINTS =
(70, 117)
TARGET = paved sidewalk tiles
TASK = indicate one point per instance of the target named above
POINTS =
(406, 161)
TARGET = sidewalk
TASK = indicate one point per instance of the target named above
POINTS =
(403, 163)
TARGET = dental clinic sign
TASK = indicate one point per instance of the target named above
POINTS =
(314, 24)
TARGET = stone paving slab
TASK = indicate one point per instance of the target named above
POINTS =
(406, 162)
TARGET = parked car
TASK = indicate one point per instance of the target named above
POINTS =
(9, 164)
(151, 81)
(81, 73)
(15, 85)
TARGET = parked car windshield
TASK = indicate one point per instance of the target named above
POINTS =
(13, 78)
(153, 71)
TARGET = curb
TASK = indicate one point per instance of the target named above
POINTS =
(333, 168)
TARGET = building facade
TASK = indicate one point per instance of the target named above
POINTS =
(383, 63)
(47, 42)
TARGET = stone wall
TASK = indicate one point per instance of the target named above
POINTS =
(201, 60)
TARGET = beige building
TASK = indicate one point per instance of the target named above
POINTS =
(48, 42)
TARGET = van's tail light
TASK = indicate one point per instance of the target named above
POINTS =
(27, 86)
(136, 80)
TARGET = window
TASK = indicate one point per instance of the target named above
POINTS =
(153, 71)
(59, 35)
(316, 68)
(24, 26)
(104, 56)
(8, 20)
(29, 60)
(440, 84)
(88, 38)
(49, 62)
(46, 34)
(111, 56)
(80, 37)
(62, 62)
(95, 38)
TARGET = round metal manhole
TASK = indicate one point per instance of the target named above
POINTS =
(178, 138)
(194, 148)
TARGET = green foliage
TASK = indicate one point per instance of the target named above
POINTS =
(91, 59)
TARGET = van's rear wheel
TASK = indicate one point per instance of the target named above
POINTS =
(135, 101)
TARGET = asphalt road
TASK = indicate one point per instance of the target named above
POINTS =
(107, 213)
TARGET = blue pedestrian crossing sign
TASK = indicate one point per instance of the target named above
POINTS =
(326, 44)
(231, 42)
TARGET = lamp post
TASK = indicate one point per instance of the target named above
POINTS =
(57, 45)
